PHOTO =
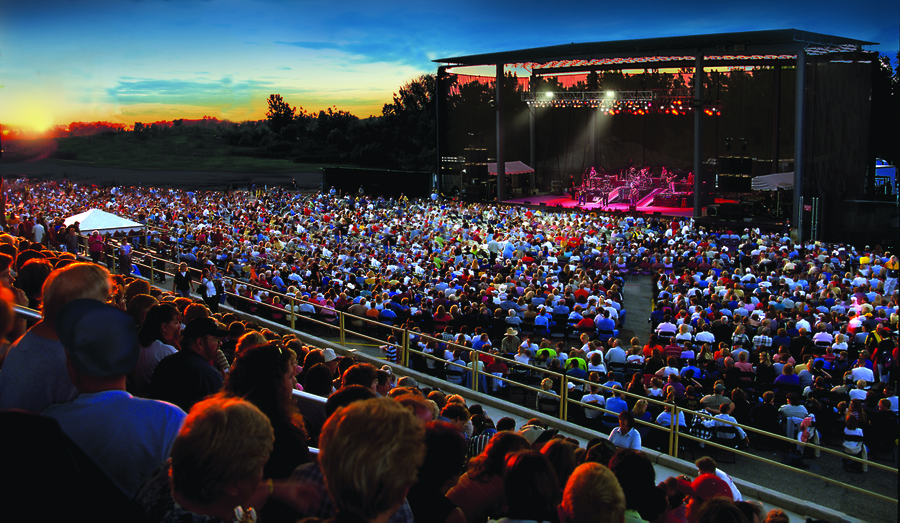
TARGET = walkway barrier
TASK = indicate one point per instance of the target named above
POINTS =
(674, 432)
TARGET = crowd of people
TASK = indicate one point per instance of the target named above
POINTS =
(820, 320)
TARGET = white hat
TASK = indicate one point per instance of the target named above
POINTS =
(328, 355)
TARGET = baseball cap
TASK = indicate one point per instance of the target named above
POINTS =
(329, 355)
(100, 340)
(535, 434)
(708, 486)
(200, 327)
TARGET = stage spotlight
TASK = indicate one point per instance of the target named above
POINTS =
(610, 94)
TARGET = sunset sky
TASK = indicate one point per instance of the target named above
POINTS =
(126, 61)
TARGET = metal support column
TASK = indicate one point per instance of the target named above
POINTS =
(776, 116)
(501, 159)
(797, 225)
(440, 83)
(531, 126)
(698, 135)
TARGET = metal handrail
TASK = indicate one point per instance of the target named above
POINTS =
(26, 313)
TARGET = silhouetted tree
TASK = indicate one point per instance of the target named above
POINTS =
(280, 113)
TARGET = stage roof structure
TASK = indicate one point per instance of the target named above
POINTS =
(749, 47)
(802, 50)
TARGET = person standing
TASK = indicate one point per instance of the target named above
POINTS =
(208, 291)
(182, 284)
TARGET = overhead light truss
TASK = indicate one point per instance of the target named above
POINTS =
(664, 101)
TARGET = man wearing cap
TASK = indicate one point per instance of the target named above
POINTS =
(34, 373)
(127, 437)
(510, 343)
(186, 377)
(704, 488)
(713, 402)
(537, 436)
(707, 465)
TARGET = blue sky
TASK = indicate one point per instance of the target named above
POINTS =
(127, 61)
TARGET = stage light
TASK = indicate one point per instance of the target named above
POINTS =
(610, 94)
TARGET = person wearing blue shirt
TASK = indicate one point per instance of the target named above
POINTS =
(614, 405)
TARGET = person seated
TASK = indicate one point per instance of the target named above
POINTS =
(127, 437)
(592, 495)
(216, 469)
(794, 408)
(853, 440)
(719, 420)
(444, 459)
(264, 376)
(531, 487)
(665, 417)
(368, 478)
(713, 402)
(788, 377)
(625, 435)
(859, 393)
(883, 425)
(765, 416)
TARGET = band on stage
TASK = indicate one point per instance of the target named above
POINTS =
(630, 186)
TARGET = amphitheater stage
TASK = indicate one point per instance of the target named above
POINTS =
(565, 201)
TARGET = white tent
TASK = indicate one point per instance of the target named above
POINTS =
(97, 220)
(516, 167)
(772, 182)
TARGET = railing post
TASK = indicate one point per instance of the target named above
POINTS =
(404, 355)
(341, 324)
(564, 398)
(673, 421)
(292, 304)
(152, 278)
(673, 439)
(475, 374)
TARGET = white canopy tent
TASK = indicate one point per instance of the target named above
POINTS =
(772, 182)
(516, 167)
(97, 220)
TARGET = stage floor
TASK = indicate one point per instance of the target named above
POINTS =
(566, 201)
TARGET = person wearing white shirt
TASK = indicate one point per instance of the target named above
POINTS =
(707, 465)
(862, 373)
(625, 436)
(859, 393)
(725, 415)
(665, 418)
(596, 399)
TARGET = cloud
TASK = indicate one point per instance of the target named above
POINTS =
(316, 46)
(214, 93)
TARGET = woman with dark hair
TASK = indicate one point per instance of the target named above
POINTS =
(444, 460)
(31, 279)
(159, 336)
(561, 454)
(479, 492)
(264, 375)
(625, 435)
(531, 488)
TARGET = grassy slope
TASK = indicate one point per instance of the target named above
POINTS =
(187, 151)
